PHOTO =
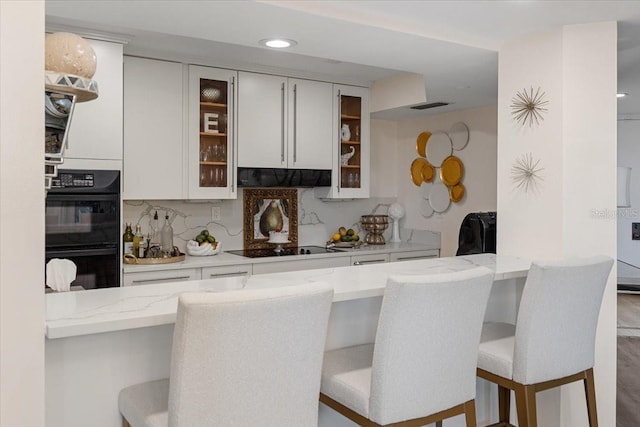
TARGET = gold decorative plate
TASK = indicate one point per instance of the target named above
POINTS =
(421, 143)
(451, 171)
(416, 170)
(456, 193)
(428, 172)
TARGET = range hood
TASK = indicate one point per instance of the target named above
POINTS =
(267, 177)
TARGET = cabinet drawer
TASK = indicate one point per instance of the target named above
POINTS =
(369, 259)
(304, 264)
(164, 276)
(410, 256)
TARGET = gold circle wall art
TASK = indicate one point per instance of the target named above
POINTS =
(437, 170)
(529, 107)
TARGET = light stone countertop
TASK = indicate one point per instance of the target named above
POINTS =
(113, 309)
(223, 259)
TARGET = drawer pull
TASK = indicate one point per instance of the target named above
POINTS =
(237, 273)
(164, 279)
(369, 261)
(405, 258)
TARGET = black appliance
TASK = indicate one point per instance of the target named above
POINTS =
(300, 250)
(268, 177)
(477, 234)
(82, 224)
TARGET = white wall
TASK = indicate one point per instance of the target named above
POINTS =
(629, 156)
(479, 158)
(21, 213)
(576, 144)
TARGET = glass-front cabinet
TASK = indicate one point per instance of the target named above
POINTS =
(350, 173)
(212, 138)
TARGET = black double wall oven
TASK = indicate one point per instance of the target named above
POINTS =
(83, 224)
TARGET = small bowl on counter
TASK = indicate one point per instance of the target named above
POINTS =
(206, 249)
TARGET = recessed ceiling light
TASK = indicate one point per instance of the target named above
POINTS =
(278, 43)
(620, 95)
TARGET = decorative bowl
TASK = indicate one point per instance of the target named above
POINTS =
(210, 94)
(375, 226)
(207, 249)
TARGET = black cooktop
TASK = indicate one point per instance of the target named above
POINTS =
(300, 250)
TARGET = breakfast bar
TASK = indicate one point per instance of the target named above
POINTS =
(124, 335)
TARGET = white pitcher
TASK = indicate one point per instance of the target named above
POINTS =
(345, 133)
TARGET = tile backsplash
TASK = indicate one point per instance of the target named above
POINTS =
(317, 219)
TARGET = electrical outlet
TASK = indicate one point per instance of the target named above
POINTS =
(215, 213)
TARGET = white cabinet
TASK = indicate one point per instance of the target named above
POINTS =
(351, 145)
(302, 264)
(413, 255)
(212, 139)
(95, 134)
(161, 276)
(284, 122)
(369, 259)
(153, 132)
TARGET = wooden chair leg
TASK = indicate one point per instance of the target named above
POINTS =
(438, 423)
(504, 404)
(590, 393)
(526, 406)
(470, 413)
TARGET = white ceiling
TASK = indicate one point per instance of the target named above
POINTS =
(453, 44)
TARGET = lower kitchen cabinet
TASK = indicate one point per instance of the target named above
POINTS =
(161, 276)
(414, 255)
(306, 264)
(369, 259)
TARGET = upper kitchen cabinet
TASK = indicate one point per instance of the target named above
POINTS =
(153, 132)
(95, 135)
(350, 171)
(284, 122)
(211, 133)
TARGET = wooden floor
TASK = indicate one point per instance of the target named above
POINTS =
(628, 363)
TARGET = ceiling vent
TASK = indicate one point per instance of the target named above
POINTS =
(430, 105)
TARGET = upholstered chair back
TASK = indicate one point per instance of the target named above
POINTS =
(249, 358)
(557, 318)
(426, 345)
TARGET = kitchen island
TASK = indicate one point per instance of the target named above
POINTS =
(101, 341)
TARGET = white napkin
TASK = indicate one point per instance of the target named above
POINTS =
(60, 274)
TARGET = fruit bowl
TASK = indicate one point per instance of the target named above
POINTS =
(205, 249)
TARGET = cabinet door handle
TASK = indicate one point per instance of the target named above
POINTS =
(295, 123)
(231, 138)
(163, 279)
(339, 150)
(405, 258)
(237, 273)
(282, 123)
(369, 261)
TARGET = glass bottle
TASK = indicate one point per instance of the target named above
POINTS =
(167, 236)
(138, 242)
(127, 240)
(155, 228)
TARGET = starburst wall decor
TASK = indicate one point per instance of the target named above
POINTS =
(525, 173)
(527, 107)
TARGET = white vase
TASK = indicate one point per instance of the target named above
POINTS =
(345, 133)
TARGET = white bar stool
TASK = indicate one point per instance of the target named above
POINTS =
(553, 341)
(421, 368)
(240, 358)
